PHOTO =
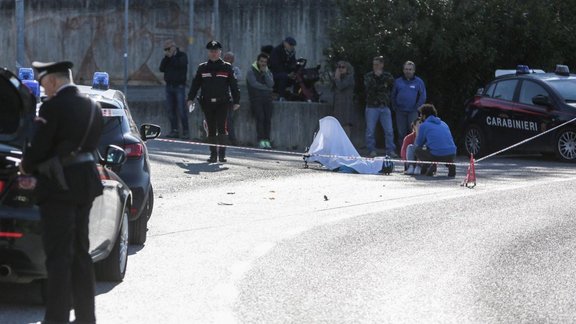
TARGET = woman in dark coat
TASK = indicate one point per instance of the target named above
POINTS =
(343, 87)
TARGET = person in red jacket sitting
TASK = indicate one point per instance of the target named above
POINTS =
(408, 149)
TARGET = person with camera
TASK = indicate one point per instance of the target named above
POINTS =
(283, 66)
(260, 84)
(217, 83)
(68, 130)
(174, 65)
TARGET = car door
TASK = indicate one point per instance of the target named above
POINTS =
(531, 119)
(497, 104)
(105, 216)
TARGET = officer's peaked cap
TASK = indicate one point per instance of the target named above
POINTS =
(213, 45)
(44, 69)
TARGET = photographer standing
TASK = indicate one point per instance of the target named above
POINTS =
(174, 65)
(283, 65)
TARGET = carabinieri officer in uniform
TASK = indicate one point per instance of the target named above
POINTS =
(68, 129)
(215, 78)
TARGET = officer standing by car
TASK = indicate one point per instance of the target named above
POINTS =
(68, 130)
(215, 78)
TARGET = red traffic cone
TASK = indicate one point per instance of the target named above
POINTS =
(470, 180)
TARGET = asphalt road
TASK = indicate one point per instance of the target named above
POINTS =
(262, 240)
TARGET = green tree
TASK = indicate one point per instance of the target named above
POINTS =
(456, 44)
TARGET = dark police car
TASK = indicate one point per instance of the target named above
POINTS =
(120, 129)
(520, 105)
(21, 253)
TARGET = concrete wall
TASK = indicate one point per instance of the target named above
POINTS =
(91, 33)
(293, 123)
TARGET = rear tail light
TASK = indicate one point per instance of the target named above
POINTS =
(134, 150)
(133, 211)
(11, 235)
(2, 186)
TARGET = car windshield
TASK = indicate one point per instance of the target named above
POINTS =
(566, 88)
(112, 117)
(10, 105)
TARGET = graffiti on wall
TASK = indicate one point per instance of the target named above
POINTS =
(95, 40)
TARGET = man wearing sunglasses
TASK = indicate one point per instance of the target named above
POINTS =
(174, 65)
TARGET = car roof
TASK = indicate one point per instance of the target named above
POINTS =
(109, 96)
(540, 76)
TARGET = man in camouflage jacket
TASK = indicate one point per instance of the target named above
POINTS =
(378, 85)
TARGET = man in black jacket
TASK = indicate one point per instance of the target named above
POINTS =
(215, 78)
(283, 65)
(65, 120)
(174, 65)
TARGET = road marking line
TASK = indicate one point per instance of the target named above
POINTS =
(262, 249)
(238, 269)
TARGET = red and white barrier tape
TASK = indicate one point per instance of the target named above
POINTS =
(305, 155)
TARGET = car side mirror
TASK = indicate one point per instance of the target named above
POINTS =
(115, 156)
(541, 100)
(480, 91)
(149, 131)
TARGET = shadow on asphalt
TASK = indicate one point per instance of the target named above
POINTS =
(502, 169)
(204, 167)
(23, 293)
(105, 287)
(509, 167)
(134, 249)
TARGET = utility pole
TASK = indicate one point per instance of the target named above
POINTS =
(126, 47)
(190, 37)
(20, 33)
(216, 20)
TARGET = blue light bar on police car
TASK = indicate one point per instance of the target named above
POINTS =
(100, 81)
(563, 70)
(33, 86)
(25, 74)
(522, 69)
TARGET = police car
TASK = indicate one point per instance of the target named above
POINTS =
(521, 104)
(121, 130)
(22, 257)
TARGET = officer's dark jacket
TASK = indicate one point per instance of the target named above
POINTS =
(60, 127)
(216, 81)
(175, 68)
(281, 61)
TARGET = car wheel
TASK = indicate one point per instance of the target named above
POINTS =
(113, 268)
(139, 227)
(474, 141)
(566, 145)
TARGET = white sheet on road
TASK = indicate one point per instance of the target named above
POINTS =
(332, 140)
